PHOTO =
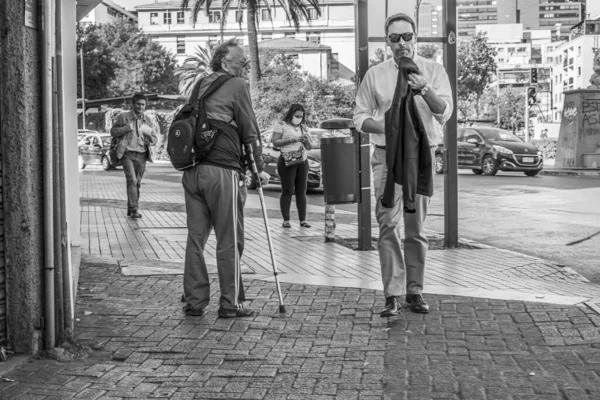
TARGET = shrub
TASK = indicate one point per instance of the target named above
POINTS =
(546, 146)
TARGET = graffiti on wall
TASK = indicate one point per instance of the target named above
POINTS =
(590, 116)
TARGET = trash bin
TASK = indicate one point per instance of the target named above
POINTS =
(340, 165)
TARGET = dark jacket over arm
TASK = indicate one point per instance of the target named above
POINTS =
(407, 147)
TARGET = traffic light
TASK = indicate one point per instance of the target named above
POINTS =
(531, 96)
(534, 77)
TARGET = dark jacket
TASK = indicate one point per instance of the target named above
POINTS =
(229, 108)
(408, 156)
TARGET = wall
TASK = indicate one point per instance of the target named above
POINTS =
(20, 132)
(2, 258)
(579, 129)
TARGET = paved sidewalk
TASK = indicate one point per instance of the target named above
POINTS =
(503, 325)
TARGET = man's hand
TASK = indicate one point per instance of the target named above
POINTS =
(264, 178)
(416, 81)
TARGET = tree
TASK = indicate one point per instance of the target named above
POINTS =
(120, 60)
(295, 12)
(194, 68)
(144, 66)
(378, 58)
(512, 107)
(476, 70)
(98, 62)
(427, 50)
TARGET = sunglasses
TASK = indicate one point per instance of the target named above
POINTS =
(395, 37)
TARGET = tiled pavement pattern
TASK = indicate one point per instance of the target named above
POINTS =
(330, 344)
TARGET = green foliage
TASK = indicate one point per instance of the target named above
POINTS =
(121, 60)
(194, 68)
(378, 57)
(488, 107)
(546, 146)
(476, 70)
(512, 108)
(427, 50)
(98, 62)
(283, 84)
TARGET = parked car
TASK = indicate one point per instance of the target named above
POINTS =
(94, 149)
(489, 150)
(271, 156)
(81, 133)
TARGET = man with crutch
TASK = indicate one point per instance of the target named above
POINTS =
(215, 190)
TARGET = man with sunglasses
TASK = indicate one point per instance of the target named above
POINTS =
(401, 274)
(215, 190)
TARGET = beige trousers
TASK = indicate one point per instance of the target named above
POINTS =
(400, 273)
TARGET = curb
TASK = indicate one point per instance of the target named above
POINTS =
(575, 172)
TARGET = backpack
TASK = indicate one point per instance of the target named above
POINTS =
(191, 136)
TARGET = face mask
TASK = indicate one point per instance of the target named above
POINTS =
(296, 121)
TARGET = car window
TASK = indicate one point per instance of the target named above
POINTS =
(471, 134)
(87, 141)
(106, 140)
(460, 135)
(499, 135)
(96, 141)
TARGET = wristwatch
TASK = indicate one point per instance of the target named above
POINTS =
(425, 90)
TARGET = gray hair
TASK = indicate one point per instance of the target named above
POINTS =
(220, 53)
(399, 17)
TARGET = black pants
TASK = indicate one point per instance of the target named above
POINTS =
(294, 180)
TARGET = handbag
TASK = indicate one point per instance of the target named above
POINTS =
(294, 157)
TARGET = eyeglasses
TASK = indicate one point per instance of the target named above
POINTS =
(243, 64)
(395, 37)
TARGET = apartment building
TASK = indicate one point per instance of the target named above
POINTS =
(573, 61)
(171, 26)
(556, 15)
(106, 11)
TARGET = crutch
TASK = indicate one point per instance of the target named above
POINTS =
(263, 206)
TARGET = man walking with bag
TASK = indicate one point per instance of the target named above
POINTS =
(402, 274)
(215, 190)
(136, 132)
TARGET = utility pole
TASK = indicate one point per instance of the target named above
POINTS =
(82, 86)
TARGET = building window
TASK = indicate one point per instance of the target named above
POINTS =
(239, 16)
(511, 49)
(153, 18)
(335, 63)
(293, 57)
(180, 17)
(265, 15)
(579, 51)
(312, 13)
(214, 16)
(578, 71)
(267, 36)
(167, 18)
(314, 37)
(180, 44)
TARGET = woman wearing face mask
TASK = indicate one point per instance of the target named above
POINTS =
(292, 137)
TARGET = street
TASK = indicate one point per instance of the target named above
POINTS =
(532, 215)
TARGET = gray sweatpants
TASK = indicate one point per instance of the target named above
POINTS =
(214, 197)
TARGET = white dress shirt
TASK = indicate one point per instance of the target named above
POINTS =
(376, 93)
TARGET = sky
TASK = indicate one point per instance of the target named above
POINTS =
(131, 4)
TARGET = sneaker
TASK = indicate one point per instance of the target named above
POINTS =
(193, 312)
(183, 298)
(392, 307)
(416, 303)
(135, 215)
(304, 224)
(235, 313)
(286, 224)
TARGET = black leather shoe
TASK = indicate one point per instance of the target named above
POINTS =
(392, 307)
(416, 303)
(135, 215)
(193, 312)
(235, 313)
(183, 298)
(128, 213)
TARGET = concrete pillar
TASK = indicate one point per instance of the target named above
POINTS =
(21, 137)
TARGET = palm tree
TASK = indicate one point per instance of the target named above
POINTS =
(193, 69)
(295, 12)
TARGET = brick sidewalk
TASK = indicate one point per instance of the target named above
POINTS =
(503, 325)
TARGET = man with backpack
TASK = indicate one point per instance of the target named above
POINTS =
(215, 190)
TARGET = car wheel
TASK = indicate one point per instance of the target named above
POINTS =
(489, 166)
(439, 164)
(105, 163)
(250, 183)
(531, 173)
(81, 162)
(477, 171)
